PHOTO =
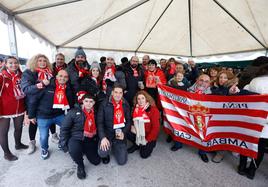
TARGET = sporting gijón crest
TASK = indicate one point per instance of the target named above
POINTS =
(199, 118)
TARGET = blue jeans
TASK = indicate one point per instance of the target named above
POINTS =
(179, 144)
(43, 125)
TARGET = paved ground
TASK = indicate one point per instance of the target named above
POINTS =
(164, 168)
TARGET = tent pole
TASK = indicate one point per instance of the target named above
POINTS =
(190, 27)
(94, 27)
(45, 6)
(154, 26)
(12, 36)
(243, 26)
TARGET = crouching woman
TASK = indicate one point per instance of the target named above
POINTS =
(146, 120)
(79, 133)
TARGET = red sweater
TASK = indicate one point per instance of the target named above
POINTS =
(153, 127)
(9, 105)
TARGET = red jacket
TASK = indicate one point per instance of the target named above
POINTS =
(9, 105)
(153, 127)
(149, 78)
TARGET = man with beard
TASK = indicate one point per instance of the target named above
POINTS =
(134, 79)
(78, 68)
(145, 61)
(201, 86)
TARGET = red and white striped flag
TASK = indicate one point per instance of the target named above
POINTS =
(211, 122)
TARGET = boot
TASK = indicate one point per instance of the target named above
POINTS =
(32, 147)
(55, 138)
(251, 170)
(133, 148)
(81, 174)
(242, 168)
(21, 146)
(10, 157)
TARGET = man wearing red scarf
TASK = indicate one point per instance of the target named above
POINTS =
(79, 133)
(113, 124)
(52, 103)
(78, 68)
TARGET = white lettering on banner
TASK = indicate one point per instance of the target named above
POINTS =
(230, 141)
(235, 105)
(173, 96)
(182, 134)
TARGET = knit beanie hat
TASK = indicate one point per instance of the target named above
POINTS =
(80, 51)
(95, 64)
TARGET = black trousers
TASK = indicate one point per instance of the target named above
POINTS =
(145, 150)
(263, 143)
(33, 129)
(89, 147)
(4, 128)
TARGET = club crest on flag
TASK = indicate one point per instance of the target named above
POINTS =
(199, 118)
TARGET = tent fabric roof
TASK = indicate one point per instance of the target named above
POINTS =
(170, 27)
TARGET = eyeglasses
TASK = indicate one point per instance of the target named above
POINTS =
(205, 81)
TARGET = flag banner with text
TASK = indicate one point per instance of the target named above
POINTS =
(213, 122)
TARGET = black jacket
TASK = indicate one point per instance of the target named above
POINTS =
(44, 103)
(73, 126)
(132, 82)
(105, 118)
(55, 70)
(28, 84)
(220, 90)
(74, 75)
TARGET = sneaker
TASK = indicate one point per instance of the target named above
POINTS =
(217, 158)
(81, 174)
(44, 154)
(55, 138)
(32, 147)
(21, 146)
(10, 157)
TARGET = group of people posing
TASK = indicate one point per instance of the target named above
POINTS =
(99, 106)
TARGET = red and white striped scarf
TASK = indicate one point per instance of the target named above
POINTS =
(60, 99)
(140, 113)
(16, 80)
(89, 126)
(109, 74)
(44, 73)
(119, 117)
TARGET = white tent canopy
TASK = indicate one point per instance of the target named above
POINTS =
(171, 27)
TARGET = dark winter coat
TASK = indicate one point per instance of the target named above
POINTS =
(73, 126)
(105, 118)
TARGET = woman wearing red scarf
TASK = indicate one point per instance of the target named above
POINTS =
(146, 119)
(12, 105)
(34, 80)
(79, 133)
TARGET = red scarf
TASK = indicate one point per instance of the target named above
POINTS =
(57, 69)
(89, 126)
(108, 74)
(16, 80)
(82, 72)
(43, 74)
(60, 99)
(119, 117)
(140, 113)
(135, 72)
(150, 80)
